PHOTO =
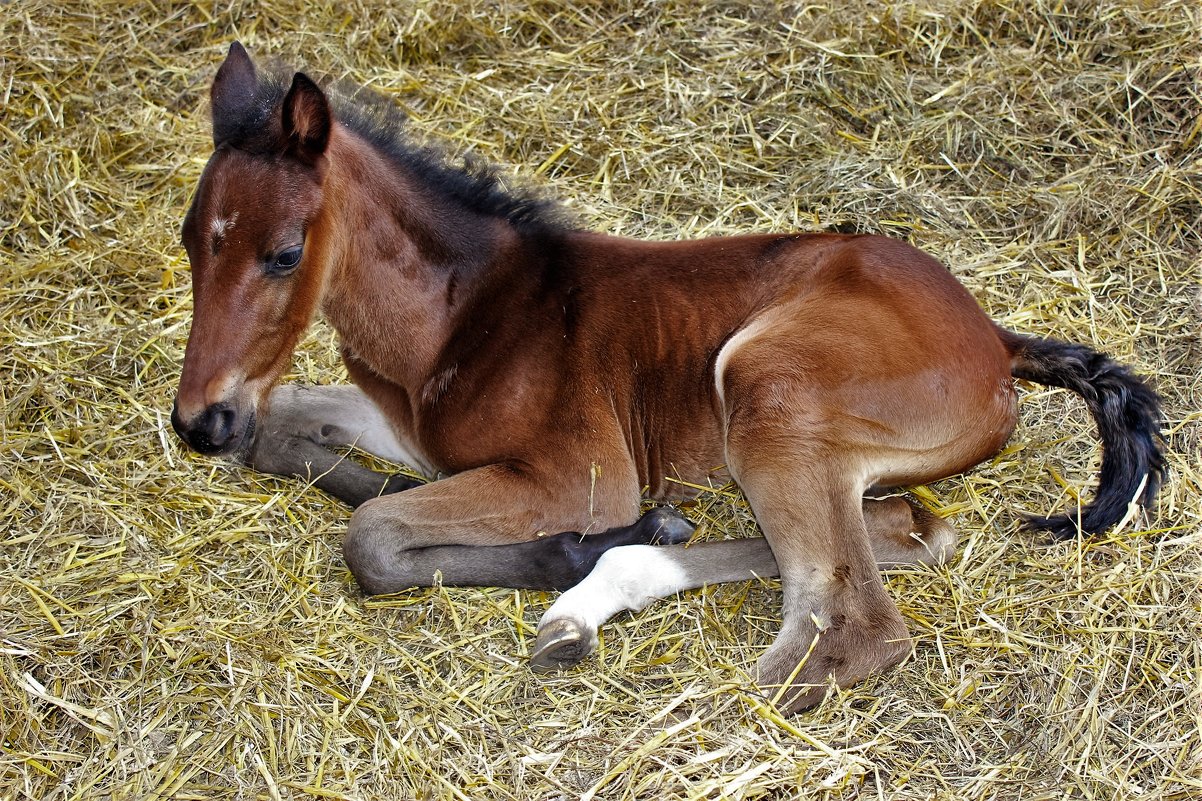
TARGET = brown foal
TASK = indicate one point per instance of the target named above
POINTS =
(554, 376)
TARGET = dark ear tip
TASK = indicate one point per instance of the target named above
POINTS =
(304, 90)
(237, 54)
(301, 81)
(232, 93)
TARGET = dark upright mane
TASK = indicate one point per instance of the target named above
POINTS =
(475, 184)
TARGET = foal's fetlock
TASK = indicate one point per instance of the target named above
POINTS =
(904, 532)
(796, 673)
(663, 525)
(561, 643)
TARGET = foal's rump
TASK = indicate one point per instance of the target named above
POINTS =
(959, 365)
(909, 345)
(884, 357)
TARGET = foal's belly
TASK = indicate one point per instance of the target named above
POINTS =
(687, 458)
(688, 484)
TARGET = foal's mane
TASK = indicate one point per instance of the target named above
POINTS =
(473, 183)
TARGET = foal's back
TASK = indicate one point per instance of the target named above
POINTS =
(648, 323)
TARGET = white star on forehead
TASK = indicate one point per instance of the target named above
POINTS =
(221, 225)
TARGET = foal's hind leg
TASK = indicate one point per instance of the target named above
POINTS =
(628, 579)
(302, 423)
(903, 532)
(812, 420)
(801, 451)
(837, 617)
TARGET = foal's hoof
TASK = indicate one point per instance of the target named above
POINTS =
(561, 643)
(399, 483)
(664, 525)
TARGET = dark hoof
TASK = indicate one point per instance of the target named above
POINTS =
(666, 526)
(561, 643)
(399, 483)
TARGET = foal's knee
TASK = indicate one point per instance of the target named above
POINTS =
(374, 549)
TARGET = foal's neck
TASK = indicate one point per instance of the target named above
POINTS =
(401, 260)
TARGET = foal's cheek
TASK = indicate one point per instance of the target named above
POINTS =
(278, 316)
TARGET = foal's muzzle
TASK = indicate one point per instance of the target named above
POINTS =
(218, 429)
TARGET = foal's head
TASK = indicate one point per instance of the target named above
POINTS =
(254, 238)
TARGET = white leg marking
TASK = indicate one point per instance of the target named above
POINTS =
(633, 576)
(625, 578)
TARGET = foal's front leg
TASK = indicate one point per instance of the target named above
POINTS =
(487, 527)
(303, 423)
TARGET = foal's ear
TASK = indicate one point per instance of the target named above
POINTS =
(306, 120)
(232, 94)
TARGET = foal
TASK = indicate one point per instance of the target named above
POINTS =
(554, 375)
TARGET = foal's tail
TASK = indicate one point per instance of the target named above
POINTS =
(1127, 412)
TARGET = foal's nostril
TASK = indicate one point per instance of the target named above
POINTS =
(176, 422)
(219, 425)
(212, 431)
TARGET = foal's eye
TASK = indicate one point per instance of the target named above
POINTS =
(285, 261)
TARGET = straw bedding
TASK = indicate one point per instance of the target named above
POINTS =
(175, 627)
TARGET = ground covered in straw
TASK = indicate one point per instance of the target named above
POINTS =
(175, 627)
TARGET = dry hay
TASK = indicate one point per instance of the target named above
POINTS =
(171, 626)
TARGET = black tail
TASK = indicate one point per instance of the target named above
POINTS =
(1127, 412)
